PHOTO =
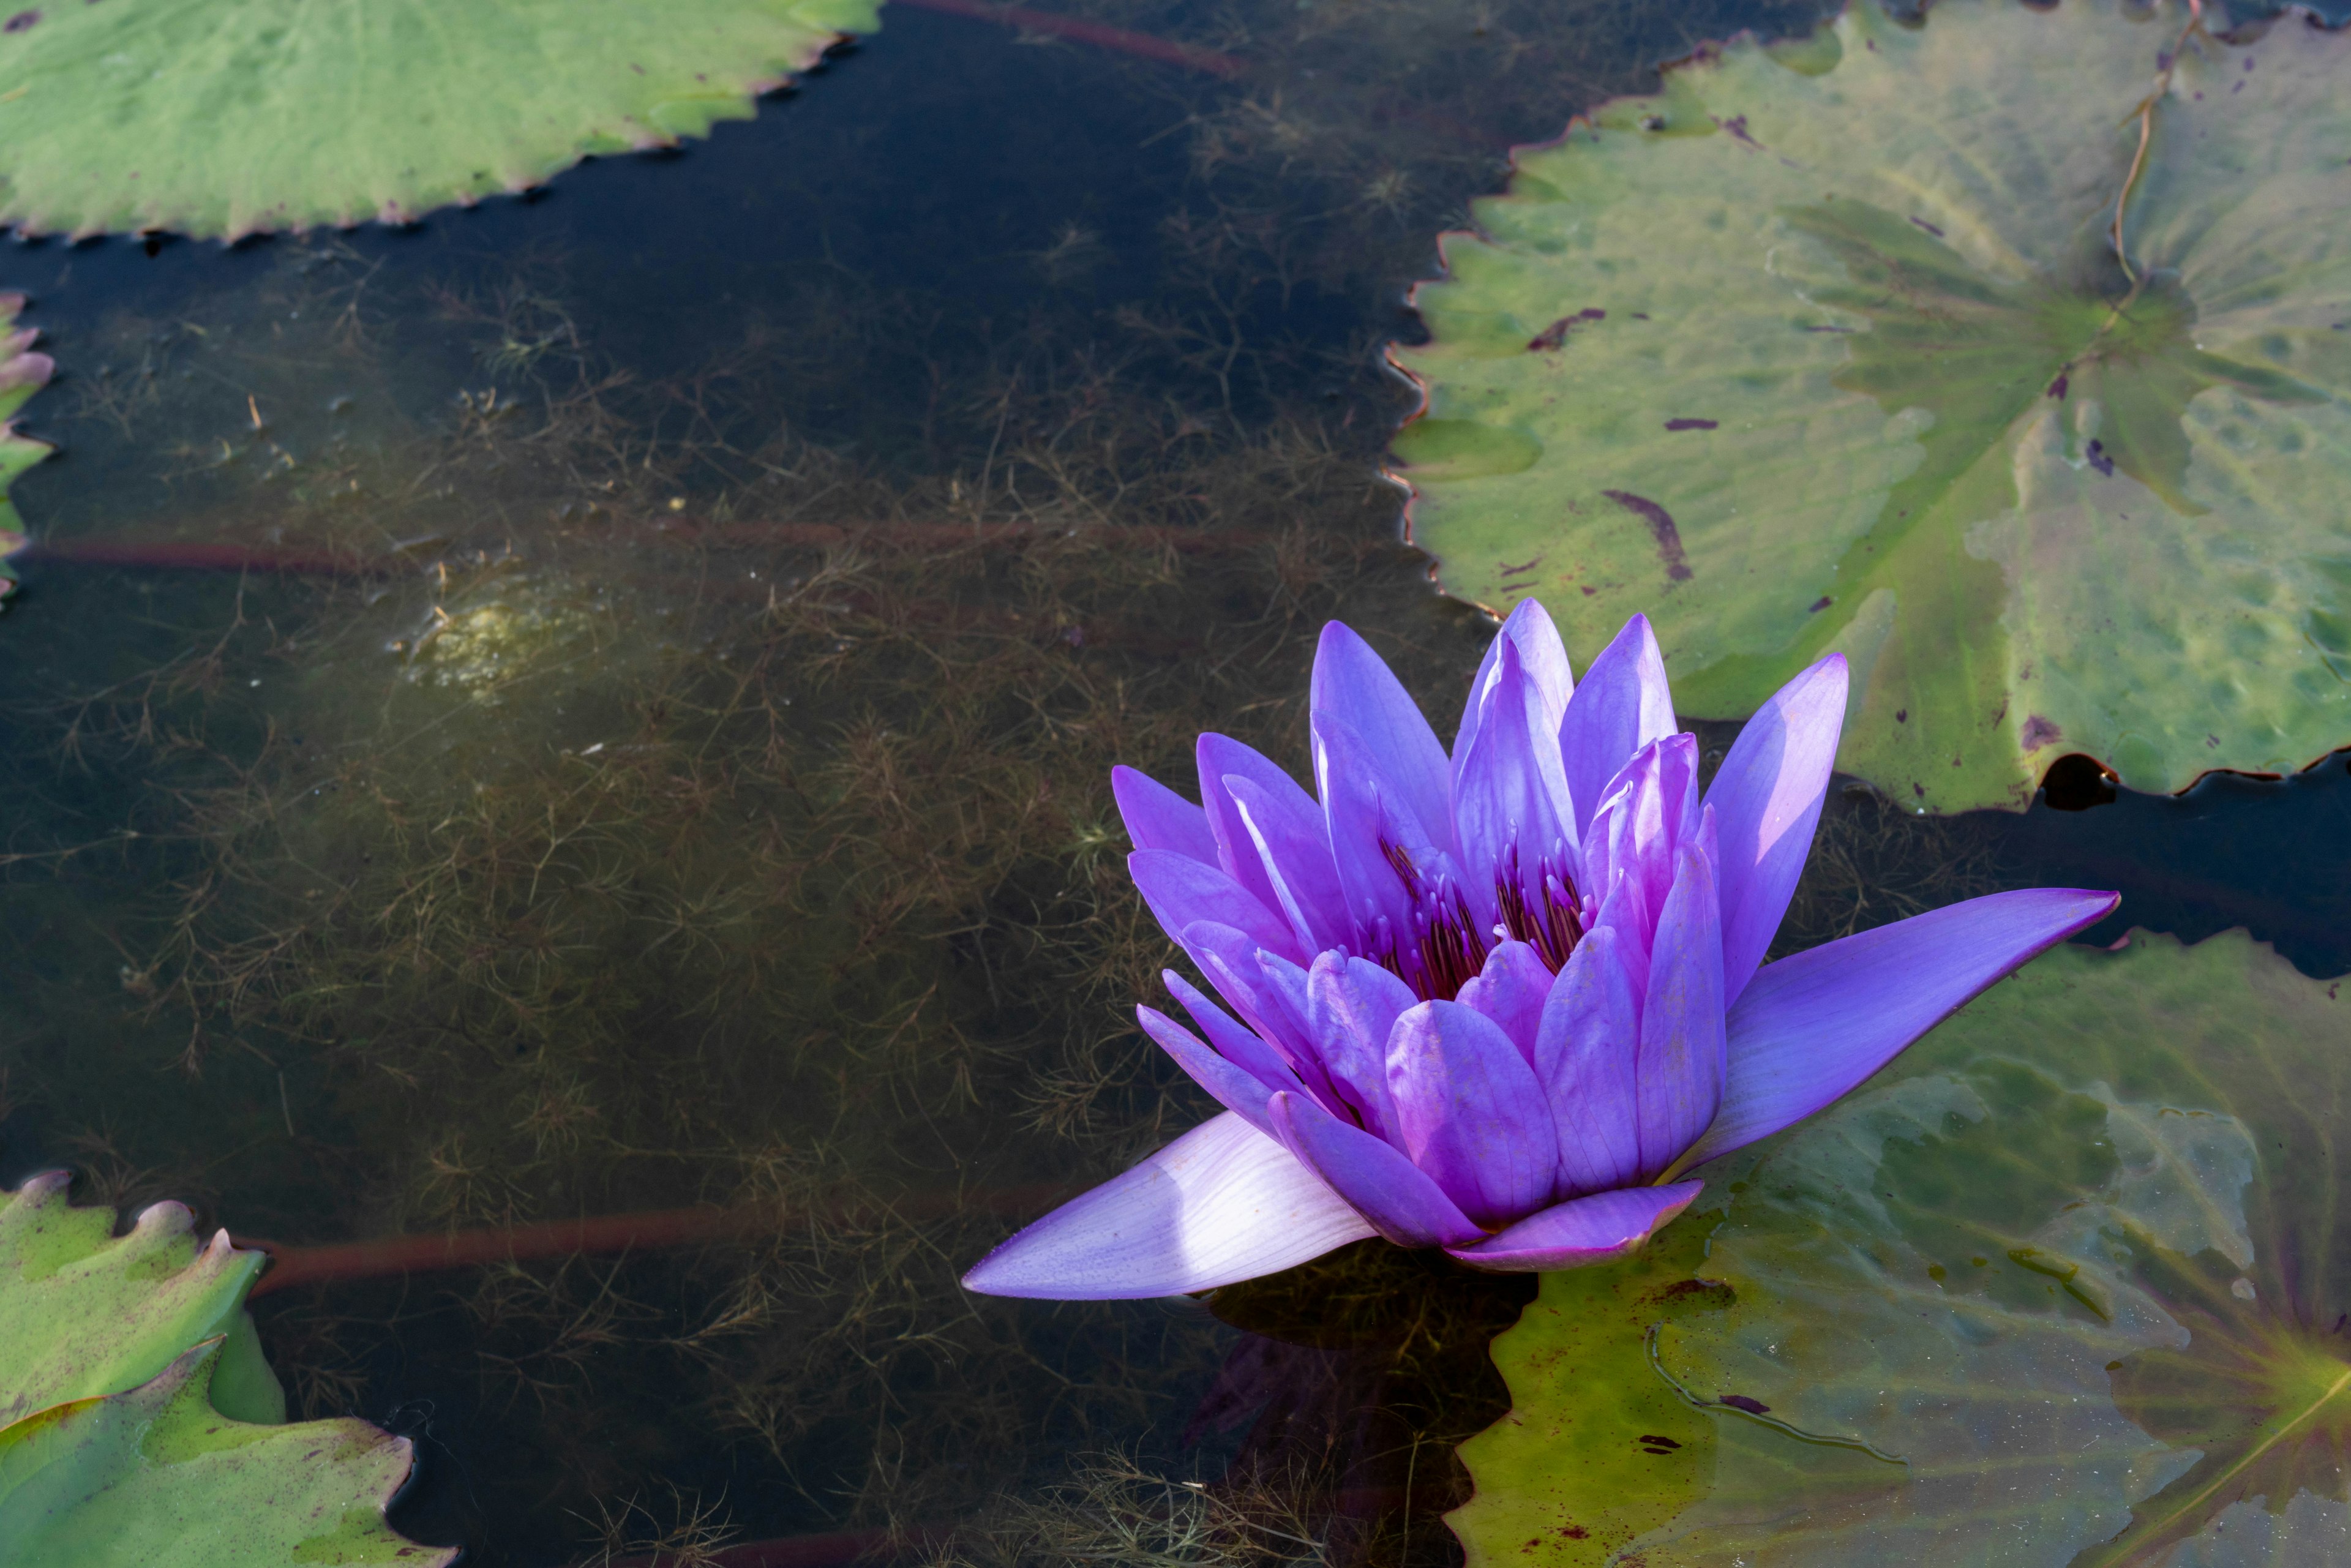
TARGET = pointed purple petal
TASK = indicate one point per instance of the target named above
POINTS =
(1285, 833)
(1529, 632)
(1221, 756)
(1625, 911)
(1648, 809)
(1258, 985)
(1586, 1051)
(1621, 706)
(1813, 1027)
(1767, 802)
(1365, 821)
(1157, 818)
(1510, 797)
(1582, 1231)
(1352, 1007)
(1395, 1196)
(1234, 1041)
(1512, 990)
(1351, 685)
(1680, 1076)
(1470, 1111)
(1222, 1203)
(1182, 892)
(1229, 960)
(1236, 1089)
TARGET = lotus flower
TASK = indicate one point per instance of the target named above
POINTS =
(1501, 1003)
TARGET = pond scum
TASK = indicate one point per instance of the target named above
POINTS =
(606, 798)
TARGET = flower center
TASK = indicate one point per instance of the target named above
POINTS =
(1445, 948)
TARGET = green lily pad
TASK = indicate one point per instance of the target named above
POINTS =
(84, 1311)
(22, 372)
(156, 1476)
(1827, 347)
(222, 117)
(2072, 1288)
(140, 1423)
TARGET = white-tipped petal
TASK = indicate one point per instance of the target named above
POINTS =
(1221, 1204)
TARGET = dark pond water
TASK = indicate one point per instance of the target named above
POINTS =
(603, 705)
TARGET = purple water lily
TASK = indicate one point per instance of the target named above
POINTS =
(1500, 1003)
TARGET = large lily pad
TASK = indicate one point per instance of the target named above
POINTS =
(2072, 1288)
(22, 372)
(1828, 346)
(139, 1422)
(222, 117)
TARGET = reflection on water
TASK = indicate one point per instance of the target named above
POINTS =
(605, 705)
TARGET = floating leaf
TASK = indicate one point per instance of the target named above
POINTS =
(2071, 1290)
(1828, 347)
(139, 1424)
(22, 374)
(222, 117)
(84, 1311)
(155, 1476)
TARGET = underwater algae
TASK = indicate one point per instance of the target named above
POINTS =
(776, 873)
(141, 1422)
(1902, 395)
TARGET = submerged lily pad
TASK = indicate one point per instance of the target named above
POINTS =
(22, 372)
(141, 1425)
(1827, 347)
(2075, 1288)
(222, 117)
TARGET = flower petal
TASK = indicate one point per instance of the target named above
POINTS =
(1812, 1027)
(1351, 685)
(1679, 1080)
(1157, 818)
(1233, 1040)
(1510, 799)
(1590, 1229)
(1222, 1203)
(1586, 1051)
(1285, 834)
(1238, 969)
(1351, 1006)
(1221, 758)
(1372, 835)
(1622, 705)
(1470, 1111)
(1237, 1089)
(1767, 802)
(1395, 1196)
(1648, 809)
(1512, 990)
(1625, 911)
(1528, 631)
(1182, 892)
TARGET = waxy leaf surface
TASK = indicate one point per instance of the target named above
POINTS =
(2070, 1285)
(141, 1425)
(1827, 347)
(222, 117)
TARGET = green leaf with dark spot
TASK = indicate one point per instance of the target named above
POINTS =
(222, 117)
(2070, 1285)
(1845, 318)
